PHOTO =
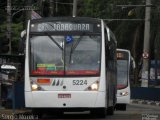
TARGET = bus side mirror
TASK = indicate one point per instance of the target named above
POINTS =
(133, 63)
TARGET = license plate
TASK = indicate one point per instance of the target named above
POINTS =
(64, 95)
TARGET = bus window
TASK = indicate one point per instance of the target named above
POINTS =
(122, 70)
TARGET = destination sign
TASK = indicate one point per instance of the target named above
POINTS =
(119, 55)
(61, 26)
(122, 55)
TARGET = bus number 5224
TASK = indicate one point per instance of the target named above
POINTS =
(79, 82)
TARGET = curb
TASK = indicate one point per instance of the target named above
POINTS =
(145, 102)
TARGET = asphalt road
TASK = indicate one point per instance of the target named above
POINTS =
(137, 112)
(133, 112)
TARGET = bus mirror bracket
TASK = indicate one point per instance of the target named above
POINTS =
(21, 48)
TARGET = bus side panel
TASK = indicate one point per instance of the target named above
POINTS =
(103, 82)
(27, 79)
(28, 99)
(111, 66)
(101, 99)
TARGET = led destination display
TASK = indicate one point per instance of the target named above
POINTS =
(61, 26)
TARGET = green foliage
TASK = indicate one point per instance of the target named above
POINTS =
(129, 34)
(61, 8)
(15, 34)
(17, 28)
(95, 8)
(124, 30)
(17, 21)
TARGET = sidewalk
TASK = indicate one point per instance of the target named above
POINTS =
(147, 102)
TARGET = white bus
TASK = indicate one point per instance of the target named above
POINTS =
(124, 64)
(70, 65)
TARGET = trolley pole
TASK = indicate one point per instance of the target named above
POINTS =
(145, 66)
(74, 8)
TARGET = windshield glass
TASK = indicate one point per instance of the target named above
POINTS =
(46, 56)
(65, 55)
(122, 73)
(83, 55)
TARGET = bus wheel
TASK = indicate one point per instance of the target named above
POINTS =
(121, 107)
(110, 110)
(99, 112)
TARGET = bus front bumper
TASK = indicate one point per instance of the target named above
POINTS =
(65, 99)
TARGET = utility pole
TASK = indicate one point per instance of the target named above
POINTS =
(74, 8)
(146, 47)
(9, 21)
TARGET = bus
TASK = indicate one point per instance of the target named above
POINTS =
(125, 63)
(70, 65)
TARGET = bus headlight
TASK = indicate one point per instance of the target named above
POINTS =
(34, 87)
(124, 93)
(94, 86)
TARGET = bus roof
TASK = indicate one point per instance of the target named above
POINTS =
(82, 19)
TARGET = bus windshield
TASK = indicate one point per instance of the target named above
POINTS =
(122, 74)
(65, 54)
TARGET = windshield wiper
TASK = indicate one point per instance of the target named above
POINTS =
(53, 38)
(54, 41)
(74, 46)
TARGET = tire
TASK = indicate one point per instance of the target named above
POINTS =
(121, 107)
(110, 110)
